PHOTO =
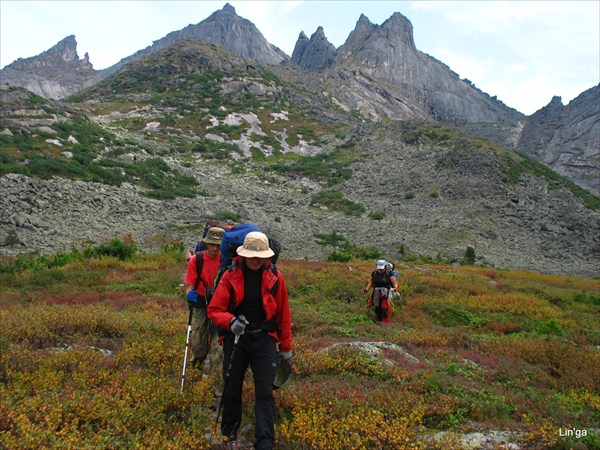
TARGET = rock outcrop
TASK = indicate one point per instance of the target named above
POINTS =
(223, 28)
(567, 138)
(55, 73)
(314, 54)
(388, 54)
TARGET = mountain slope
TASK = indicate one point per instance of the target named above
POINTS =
(378, 73)
(260, 143)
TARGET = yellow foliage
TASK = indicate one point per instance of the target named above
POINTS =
(321, 427)
(516, 304)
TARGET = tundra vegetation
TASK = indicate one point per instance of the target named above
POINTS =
(92, 343)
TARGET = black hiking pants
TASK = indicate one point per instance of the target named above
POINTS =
(259, 351)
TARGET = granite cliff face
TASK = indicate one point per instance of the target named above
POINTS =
(314, 54)
(385, 60)
(567, 138)
(223, 28)
(55, 73)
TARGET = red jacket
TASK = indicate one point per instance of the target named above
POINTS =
(276, 305)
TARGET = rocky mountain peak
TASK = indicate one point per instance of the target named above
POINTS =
(422, 85)
(567, 138)
(314, 54)
(228, 9)
(400, 28)
(395, 35)
(226, 29)
(56, 73)
(363, 22)
(361, 32)
(60, 57)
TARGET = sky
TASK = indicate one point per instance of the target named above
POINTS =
(523, 52)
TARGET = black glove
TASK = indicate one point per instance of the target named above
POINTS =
(238, 325)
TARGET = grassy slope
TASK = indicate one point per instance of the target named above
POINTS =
(502, 350)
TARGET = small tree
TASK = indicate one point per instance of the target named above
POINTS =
(470, 255)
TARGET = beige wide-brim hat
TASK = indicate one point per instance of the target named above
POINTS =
(256, 245)
(214, 235)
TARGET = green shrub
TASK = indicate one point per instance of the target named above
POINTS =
(335, 201)
(121, 249)
(587, 298)
(329, 167)
(334, 239)
(339, 256)
(550, 327)
(229, 215)
(451, 315)
(376, 215)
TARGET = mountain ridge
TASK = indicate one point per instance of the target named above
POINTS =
(391, 81)
(194, 125)
(264, 144)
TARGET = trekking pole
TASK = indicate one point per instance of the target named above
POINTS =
(187, 346)
(235, 341)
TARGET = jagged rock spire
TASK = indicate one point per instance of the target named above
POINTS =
(314, 54)
(61, 56)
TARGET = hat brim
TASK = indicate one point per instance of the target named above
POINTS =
(283, 372)
(254, 253)
(211, 241)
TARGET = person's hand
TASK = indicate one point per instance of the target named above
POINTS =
(284, 356)
(192, 296)
(238, 325)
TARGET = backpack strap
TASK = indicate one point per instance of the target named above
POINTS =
(388, 278)
(199, 264)
(276, 285)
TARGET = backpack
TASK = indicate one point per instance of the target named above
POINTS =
(233, 238)
(390, 271)
(392, 268)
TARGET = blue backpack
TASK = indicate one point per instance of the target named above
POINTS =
(233, 238)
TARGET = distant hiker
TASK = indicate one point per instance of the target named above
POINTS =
(199, 279)
(251, 304)
(383, 282)
(210, 223)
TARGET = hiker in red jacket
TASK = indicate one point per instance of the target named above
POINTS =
(197, 285)
(251, 301)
